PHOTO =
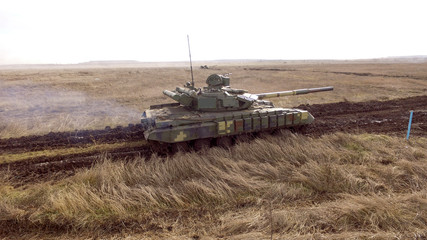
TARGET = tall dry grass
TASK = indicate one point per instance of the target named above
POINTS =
(338, 186)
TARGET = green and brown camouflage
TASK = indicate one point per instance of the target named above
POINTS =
(219, 110)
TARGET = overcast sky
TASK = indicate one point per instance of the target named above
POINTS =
(55, 31)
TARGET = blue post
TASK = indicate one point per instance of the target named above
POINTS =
(409, 125)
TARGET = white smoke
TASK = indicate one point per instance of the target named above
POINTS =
(30, 108)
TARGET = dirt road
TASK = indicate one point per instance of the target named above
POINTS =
(388, 117)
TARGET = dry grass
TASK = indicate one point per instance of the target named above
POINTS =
(37, 101)
(341, 186)
(338, 186)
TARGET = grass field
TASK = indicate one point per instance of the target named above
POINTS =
(284, 186)
(338, 186)
(37, 101)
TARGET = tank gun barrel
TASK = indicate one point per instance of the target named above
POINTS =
(261, 96)
(172, 95)
(182, 98)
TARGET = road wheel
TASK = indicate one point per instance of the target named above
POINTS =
(201, 144)
(180, 147)
(224, 142)
(158, 147)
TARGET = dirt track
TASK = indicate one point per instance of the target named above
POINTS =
(71, 139)
(389, 117)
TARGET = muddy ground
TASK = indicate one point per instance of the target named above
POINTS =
(384, 117)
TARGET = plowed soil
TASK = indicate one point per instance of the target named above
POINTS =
(385, 117)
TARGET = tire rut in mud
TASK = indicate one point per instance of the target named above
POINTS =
(52, 168)
(388, 117)
(75, 138)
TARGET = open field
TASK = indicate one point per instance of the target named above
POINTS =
(39, 101)
(349, 175)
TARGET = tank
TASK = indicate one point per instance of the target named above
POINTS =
(216, 113)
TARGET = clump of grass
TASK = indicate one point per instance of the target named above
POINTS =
(370, 213)
(337, 184)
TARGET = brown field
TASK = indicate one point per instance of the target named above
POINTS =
(339, 185)
(38, 101)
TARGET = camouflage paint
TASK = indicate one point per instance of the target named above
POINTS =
(229, 125)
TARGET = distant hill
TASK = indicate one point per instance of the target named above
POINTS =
(139, 64)
(412, 59)
(110, 62)
(414, 56)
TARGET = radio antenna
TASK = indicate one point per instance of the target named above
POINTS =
(191, 64)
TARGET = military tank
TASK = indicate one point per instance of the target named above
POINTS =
(216, 113)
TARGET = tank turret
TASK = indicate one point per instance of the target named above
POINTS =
(219, 96)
